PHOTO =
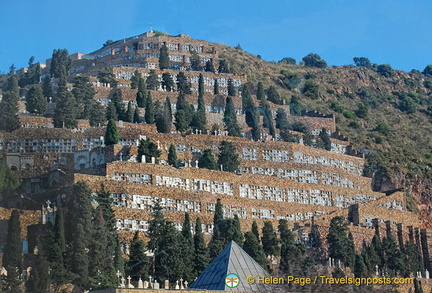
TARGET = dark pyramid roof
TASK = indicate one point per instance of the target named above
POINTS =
(233, 259)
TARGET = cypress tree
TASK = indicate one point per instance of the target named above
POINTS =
(216, 243)
(149, 110)
(268, 119)
(39, 279)
(252, 118)
(325, 138)
(136, 117)
(118, 258)
(273, 95)
(195, 61)
(152, 80)
(227, 157)
(169, 262)
(12, 252)
(79, 262)
(65, 114)
(188, 249)
(129, 113)
(59, 274)
(209, 67)
(111, 112)
(111, 134)
(254, 249)
(291, 253)
(172, 156)
(164, 117)
(149, 149)
(141, 99)
(117, 100)
(360, 270)
(47, 88)
(255, 230)
(199, 120)
(156, 225)
(230, 118)
(207, 160)
(216, 87)
(269, 240)
(223, 67)
(98, 116)
(163, 57)
(138, 265)
(184, 113)
(83, 92)
(183, 84)
(260, 92)
(281, 119)
(9, 105)
(36, 103)
(101, 269)
(231, 89)
(167, 82)
(135, 79)
(201, 251)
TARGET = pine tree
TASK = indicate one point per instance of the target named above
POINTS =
(9, 105)
(12, 252)
(111, 134)
(216, 87)
(149, 110)
(172, 156)
(168, 83)
(274, 96)
(254, 249)
(36, 103)
(152, 80)
(136, 117)
(230, 118)
(106, 76)
(201, 251)
(227, 157)
(183, 84)
(207, 160)
(269, 240)
(255, 230)
(163, 57)
(209, 67)
(138, 265)
(340, 243)
(231, 89)
(307, 139)
(65, 114)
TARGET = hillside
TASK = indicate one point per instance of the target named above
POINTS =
(394, 128)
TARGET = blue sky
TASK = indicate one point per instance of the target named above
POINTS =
(386, 31)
